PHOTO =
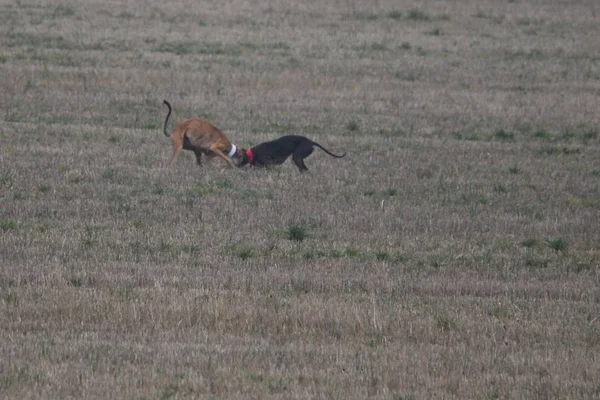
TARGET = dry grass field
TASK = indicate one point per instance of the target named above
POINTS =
(453, 254)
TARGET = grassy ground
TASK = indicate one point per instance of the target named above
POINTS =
(454, 253)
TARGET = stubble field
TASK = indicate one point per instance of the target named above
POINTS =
(454, 253)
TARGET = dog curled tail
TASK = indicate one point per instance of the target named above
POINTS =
(167, 119)
(327, 151)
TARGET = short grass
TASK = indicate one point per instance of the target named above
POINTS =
(452, 254)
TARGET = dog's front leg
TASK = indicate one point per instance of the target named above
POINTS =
(223, 156)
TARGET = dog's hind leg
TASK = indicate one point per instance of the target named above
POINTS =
(300, 154)
(177, 144)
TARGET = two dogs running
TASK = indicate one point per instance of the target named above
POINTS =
(206, 140)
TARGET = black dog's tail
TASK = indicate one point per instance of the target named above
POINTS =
(327, 151)
(167, 119)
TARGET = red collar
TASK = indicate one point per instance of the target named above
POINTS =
(250, 156)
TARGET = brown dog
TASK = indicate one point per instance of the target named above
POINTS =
(201, 137)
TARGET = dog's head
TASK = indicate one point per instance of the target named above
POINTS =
(240, 158)
(244, 157)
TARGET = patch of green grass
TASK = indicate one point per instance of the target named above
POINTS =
(199, 190)
(415, 14)
(335, 253)
(536, 262)
(486, 258)
(19, 195)
(244, 252)
(500, 188)
(366, 16)
(42, 41)
(382, 255)
(541, 133)
(425, 173)
(118, 203)
(581, 132)
(224, 184)
(556, 150)
(531, 54)
(591, 335)
(435, 32)
(579, 202)
(580, 266)
(501, 134)
(473, 198)
(109, 174)
(445, 323)
(514, 169)
(274, 127)
(376, 47)
(493, 393)
(75, 282)
(190, 249)
(8, 224)
(125, 15)
(500, 312)
(10, 299)
(6, 178)
(467, 136)
(402, 258)
(158, 190)
(531, 210)
(590, 133)
(352, 126)
(392, 192)
(87, 242)
(280, 46)
(138, 223)
(43, 188)
(375, 340)
(409, 76)
(309, 255)
(255, 378)
(195, 47)
(567, 135)
(394, 14)
(558, 244)
(63, 11)
(289, 62)
(151, 125)
(164, 247)
(369, 193)
(405, 46)
(277, 385)
(438, 261)
(219, 49)
(169, 391)
(90, 236)
(3, 59)
(392, 132)
(351, 252)
(296, 232)
(529, 243)
(178, 48)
